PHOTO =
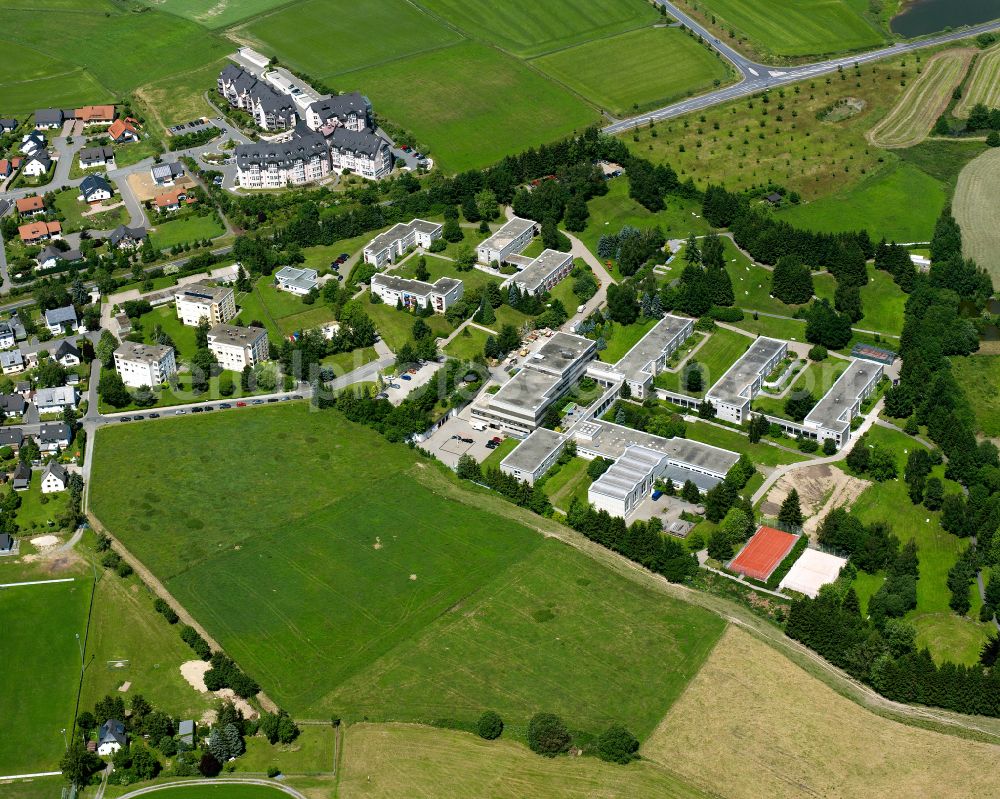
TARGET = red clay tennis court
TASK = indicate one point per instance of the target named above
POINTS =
(762, 553)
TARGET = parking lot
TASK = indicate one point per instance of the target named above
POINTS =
(448, 449)
(399, 387)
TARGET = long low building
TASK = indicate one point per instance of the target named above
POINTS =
(387, 247)
(629, 480)
(534, 456)
(831, 417)
(512, 237)
(548, 373)
(641, 364)
(735, 390)
(440, 295)
(544, 272)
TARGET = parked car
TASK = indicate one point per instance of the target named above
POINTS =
(406, 377)
(456, 436)
(226, 405)
(241, 404)
(382, 395)
(181, 412)
(258, 402)
(343, 256)
(154, 416)
(468, 441)
(297, 396)
(138, 418)
(491, 445)
(209, 408)
(497, 440)
(197, 410)
(125, 419)
(657, 495)
(272, 399)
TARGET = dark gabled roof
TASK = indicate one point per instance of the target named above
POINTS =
(93, 183)
(54, 431)
(8, 124)
(126, 232)
(6, 542)
(36, 136)
(42, 156)
(58, 316)
(272, 101)
(48, 116)
(96, 154)
(22, 471)
(112, 730)
(302, 147)
(342, 106)
(12, 403)
(65, 348)
(364, 141)
(54, 252)
(55, 470)
(230, 72)
(172, 170)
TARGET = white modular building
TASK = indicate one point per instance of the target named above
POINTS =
(440, 295)
(387, 247)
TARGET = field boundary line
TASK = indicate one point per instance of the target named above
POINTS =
(29, 776)
(36, 582)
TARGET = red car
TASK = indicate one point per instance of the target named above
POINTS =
(241, 404)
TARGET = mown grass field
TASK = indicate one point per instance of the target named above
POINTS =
(214, 14)
(974, 207)
(653, 66)
(772, 732)
(722, 350)
(188, 230)
(917, 110)
(310, 36)
(474, 104)
(281, 312)
(385, 761)
(527, 29)
(749, 143)
(181, 98)
(42, 664)
(622, 338)
(36, 788)
(328, 593)
(396, 326)
(979, 375)
(570, 481)
(983, 85)
(791, 28)
(760, 453)
(901, 203)
(817, 378)
(468, 346)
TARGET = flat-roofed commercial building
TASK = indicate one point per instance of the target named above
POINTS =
(237, 347)
(144, 364)
(510, 239)
(629, 480)
(641, 364)
(387, 247)
(534, 456)
(544, 272)
(548, 373)
(735, 390)
(440, 295)
(197, 301)
(831, 417)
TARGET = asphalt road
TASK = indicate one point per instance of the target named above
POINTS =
(756, 77)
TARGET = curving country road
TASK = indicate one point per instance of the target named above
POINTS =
(278, 786)
(756, 77)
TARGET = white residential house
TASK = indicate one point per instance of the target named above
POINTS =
(7, 338)
(91, 157)
(387, 247)
(58, 320)
(11, 361)
(37, 164)
(32, 142)
(54, 436)
(144, 364)
(237, 347)
(95, 189)
(54, 478)
(351, 110)
(111, 737)
(67, 354)
(197, 301)
(166, 174)
(53, 400)
(440, 295)
(295, 280)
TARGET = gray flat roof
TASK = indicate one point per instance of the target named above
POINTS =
(508, 232)
(635, 465)
(833, 410)
(539, 270)
(528, 390)
(731, 387)
(614, 439)
(559, 353)
(417, 287)
(134, 351)
(236, 336)
(193, 292)
(532, 452)
(401, 230)
(653, 344)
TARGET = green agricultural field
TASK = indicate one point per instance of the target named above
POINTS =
(26, 74)
(181, 98)
(653, 66)
(372, 569)
(553, 609)
(310, 36)
(974, 200)
(748, 143)
(901, 204)
(188, 230)
(467, 347)
(122, 49)
(722, 350)
(475, 104)
(212, 14)
(979, 375)
(528, 29)
(793, 28)
(983, 85)
(43, 670)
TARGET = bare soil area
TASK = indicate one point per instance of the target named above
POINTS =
(821, 489)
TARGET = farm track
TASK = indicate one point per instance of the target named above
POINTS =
(984, 83)
(974, 206)
(915, 113)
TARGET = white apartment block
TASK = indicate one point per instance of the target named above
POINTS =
(831, 417)
(510, 239)
(351, 110)
(362, 152)
(544, 272)
(641, 364)
(237, 347)
(440, 295)
(198, 301)
(274, 165)
(144, 364)
(387, 247)
(735, 390)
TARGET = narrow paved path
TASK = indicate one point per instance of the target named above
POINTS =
(207, 785)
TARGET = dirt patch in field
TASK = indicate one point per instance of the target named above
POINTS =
(44, 541)
(194, 672)
(821, 489)
(783, 734)
(844, 108)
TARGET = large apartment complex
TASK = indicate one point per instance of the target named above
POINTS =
(387, 247)
(274, 165)
(394, 290)
(238, 347)
(198, 301)
(144, 364)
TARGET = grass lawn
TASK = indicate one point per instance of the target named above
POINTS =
(345, 598)
(883, 303)
(865, 586)
(38, 511)
(197, 790)
(37, 788)
(653, 66)
(502, 451)
(761, 453)
(570, 481)
(748, 143)
(214, 15)
(528, 29)
(467, 347)
(183, 336)
(979, 375)
(789, 329)
(134, 152)
(817, 378)
(187, 230)
(344, 362)
(281, 312)
(441, 267)
(722, 350)
(510, 316)
(43, 659)
(71, 209)
(475, 104)
(623, 337)
(310, 753)
(796, 27)
(152, 647)
(181, 98)
(901, 203)
(385, 761)
(395, 326)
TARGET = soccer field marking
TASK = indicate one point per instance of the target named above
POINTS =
(30, 776)
(37, 582)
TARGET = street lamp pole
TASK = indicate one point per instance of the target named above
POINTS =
(65, 739)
